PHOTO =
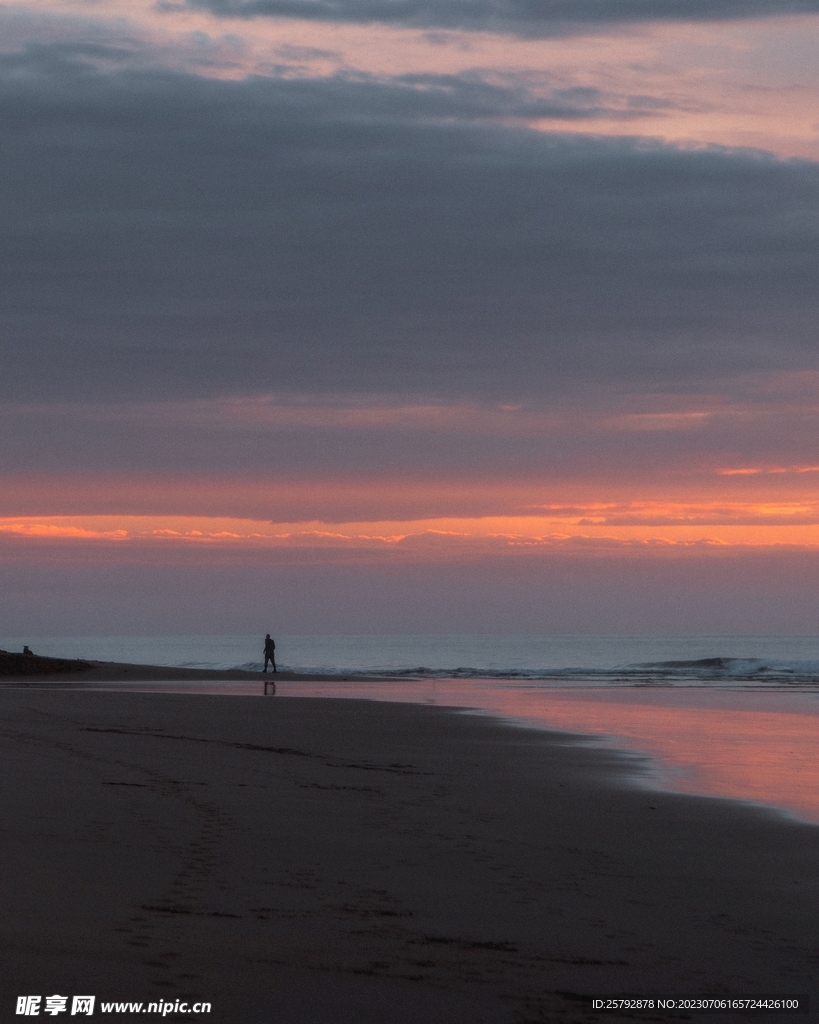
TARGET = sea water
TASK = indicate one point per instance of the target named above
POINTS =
(747, 661)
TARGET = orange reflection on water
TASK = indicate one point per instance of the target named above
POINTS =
(762, 747)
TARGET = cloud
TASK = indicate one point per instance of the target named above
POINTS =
(685, 527)
(168, 236)
(532, 18)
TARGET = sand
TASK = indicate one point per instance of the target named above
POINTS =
(297, 860)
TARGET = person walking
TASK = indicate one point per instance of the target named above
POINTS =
(269, 652)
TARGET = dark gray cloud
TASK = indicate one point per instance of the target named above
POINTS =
(165, 235)
(521, 17)
(176, 441)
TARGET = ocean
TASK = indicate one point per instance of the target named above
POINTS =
(743, 661)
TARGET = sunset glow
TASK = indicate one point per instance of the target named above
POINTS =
(523, 291)
(607, 526)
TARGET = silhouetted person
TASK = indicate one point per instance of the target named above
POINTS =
(269, 652)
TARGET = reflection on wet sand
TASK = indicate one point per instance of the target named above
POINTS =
(730, 743)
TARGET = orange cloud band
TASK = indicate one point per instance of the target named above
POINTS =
(647, 524)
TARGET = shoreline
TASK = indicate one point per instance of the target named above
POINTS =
(750, 745)
(351, 861)
(78, 672)
(717, 742)
(708, 741)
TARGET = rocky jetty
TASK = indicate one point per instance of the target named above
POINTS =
(13, 664)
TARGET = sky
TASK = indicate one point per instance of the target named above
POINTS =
(401, 316)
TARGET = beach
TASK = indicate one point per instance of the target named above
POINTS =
(295, 859)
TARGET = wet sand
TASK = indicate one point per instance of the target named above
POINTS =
(349, 861)
(753, 744)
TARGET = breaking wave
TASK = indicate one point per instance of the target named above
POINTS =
(748, 672)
